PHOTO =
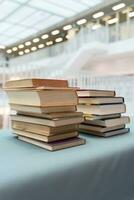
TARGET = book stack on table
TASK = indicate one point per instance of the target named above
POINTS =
(102, 113)
(46, 113)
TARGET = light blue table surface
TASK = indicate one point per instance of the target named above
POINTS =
(103, 169)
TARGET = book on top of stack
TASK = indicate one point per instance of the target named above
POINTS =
(102, 113)
(46, 113)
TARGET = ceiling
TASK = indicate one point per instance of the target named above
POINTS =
(20, 19)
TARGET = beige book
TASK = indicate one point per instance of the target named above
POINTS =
(95, 93)
(109, 122)
(48, 122)
(42, 129)
(101, 117)
(42, 110)
(44, 138)
(43, 98)
(102, 109)
(100, 100)
(53, 146)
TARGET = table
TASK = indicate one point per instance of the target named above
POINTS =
(103, 169)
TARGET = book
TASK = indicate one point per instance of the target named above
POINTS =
(109, 122)
(99, 129)
(95, 117)
(41, 110)
(102, 109)
(53, 115)
(53, 146)
(44, 138)
(44, 98)
(108, 134)
(42, 129)
(101, 100)
(36, 82)
(95, 93)
(48, 122)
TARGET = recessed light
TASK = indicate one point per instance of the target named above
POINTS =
(45, 36)
(9, 51)
(81, 21)
(67, 27)
(21, 46)
(35, 40)
(97, 15)
(131, 14)
(60, 39)
(21, 53)
(33, 48)
(96, 26)
(28, 43)
(40, 46)
(55, 32)
(112, 21)
(27, 50)
(2, 47)
(14, 48)
(49, 43)
(119, 6)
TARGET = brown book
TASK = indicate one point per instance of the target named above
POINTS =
(42, 110)
(53, 115)
(44, 138)
(98, 129)
(42, 129)
(95, 93)
(44, 98)
(35, 82)
(100, 100)
(53, 146)
(102, 109)
(47, 122)
(110, 133)
(95, 117)
(109, 122)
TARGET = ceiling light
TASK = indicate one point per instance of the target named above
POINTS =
(81, 21)
(21, 46)
(49, 43)
(131, 14)
(2, 47)
(27, 50)
(96, 26)
(55, 32)
(14, 48)
(35, 40)
(60, 39)
(33, 48)
(112, 21)
(97, 15)
(119, 6)
(127, 10)
(45, 36)
(106, 18)
(67, 27)
(40, 46)
(9, 51)
(21, 53)
(28, 43)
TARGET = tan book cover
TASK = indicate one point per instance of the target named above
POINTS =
(100, 100)
(95, 93)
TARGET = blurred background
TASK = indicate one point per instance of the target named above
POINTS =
(88, 42)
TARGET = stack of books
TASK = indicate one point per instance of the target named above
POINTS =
(46, 113)
(102, 113)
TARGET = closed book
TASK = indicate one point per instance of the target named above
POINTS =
(108, 134)
(95, 93)
(53, 146)
(44, 138)
(48, 122)
(100, 100)
(42, 129)
(44, 98)
(102, 109)
(99, 129)
(95, 117)
(35, 82)
(42, 110)
(109, 122)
